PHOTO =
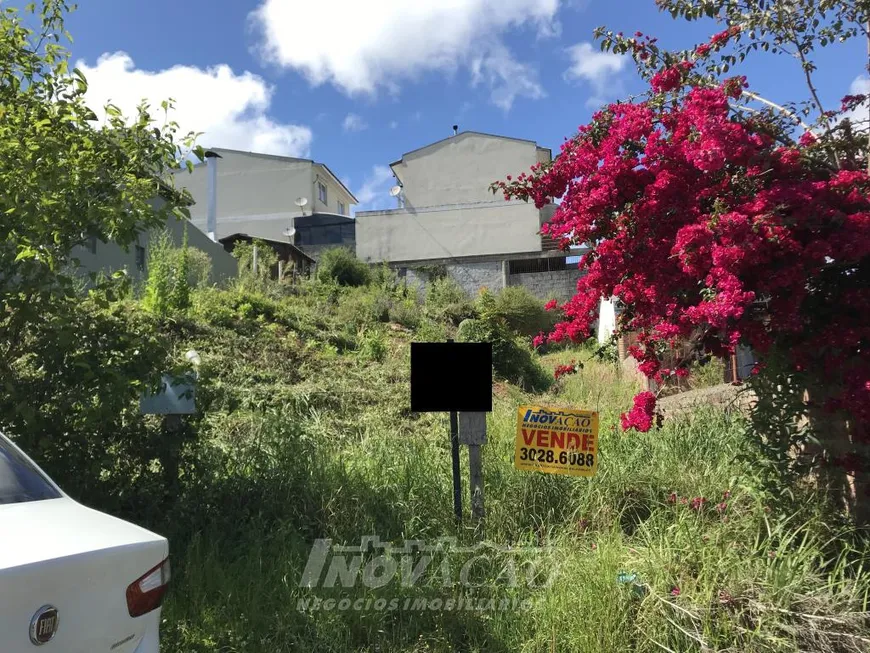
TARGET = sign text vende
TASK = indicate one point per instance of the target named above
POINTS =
(556, 441)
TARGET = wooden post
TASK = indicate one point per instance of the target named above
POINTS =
(475, 467)
(472, 432)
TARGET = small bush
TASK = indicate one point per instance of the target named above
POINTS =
(406, 312)
(358, 307)
(707, 373)
(167, 287)
(446, 301)
(340, 265)
(512, 357)
(372, 345)
(200, 274)
(523, 312)
(431, 331)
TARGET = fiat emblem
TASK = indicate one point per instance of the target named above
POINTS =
(43, 626)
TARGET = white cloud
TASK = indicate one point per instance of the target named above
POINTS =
(375, 192)
(506, 77)
(860, 114)
(379, 44)
(232, 109)
(599, 69)
(353, 123)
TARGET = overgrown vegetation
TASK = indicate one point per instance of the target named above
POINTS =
(340, 265)
(683, 541)
(302, 432)
(266, 260)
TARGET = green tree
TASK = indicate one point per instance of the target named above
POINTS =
(64, 176)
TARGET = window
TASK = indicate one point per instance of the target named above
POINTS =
(321, 192)
(20, 480)
(140, 258)
(532, 265)
(332, 234)
(341, 208)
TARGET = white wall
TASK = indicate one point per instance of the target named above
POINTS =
(109, 257)
(606, 320)
(256, 194)
(466, 231)
(334, 193)
(460, 169)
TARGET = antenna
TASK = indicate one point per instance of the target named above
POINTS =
(395, 191)
(301, 202)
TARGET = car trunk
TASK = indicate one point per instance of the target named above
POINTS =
(59, 553)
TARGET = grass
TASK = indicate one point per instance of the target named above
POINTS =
(314, 440)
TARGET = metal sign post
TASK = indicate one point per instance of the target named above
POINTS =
(436, 386)
(457, 480)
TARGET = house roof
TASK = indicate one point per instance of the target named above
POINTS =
(282, 243)
(277, 157)
(467, 133)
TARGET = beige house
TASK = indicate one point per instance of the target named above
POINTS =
(108, 257)
(447, 216)
(261, 195)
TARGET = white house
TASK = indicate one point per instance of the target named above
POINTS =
(448, 216)
(262, 195)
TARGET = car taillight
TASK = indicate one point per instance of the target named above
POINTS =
(146, 593)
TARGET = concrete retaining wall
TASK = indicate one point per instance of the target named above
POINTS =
(560, 285)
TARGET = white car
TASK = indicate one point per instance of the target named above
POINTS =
(73, 580)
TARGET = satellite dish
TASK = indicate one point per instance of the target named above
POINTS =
(301, 201)
(395, 191)
(290, 232)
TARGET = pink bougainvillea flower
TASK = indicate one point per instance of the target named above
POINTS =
(641, 416)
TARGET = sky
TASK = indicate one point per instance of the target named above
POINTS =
(356, 83)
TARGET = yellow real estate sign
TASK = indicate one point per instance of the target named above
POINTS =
(556, 441)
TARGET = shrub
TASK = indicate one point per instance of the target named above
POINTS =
(158, 285)
(372, 344)
(72, 403)
(523, 312)
(266, 259)
(167, 287)
(384, 276)
(340, 265)
(358, 307)
(180, 297)
(446, 301)
(431, 331)
(199, 262)
(405, 312)
(512, 357)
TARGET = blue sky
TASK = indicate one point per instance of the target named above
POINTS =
(355, 83)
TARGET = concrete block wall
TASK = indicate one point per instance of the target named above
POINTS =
(470, 276)
(474, 276)
(560, 285)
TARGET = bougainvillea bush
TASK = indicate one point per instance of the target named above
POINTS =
(717, 227)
